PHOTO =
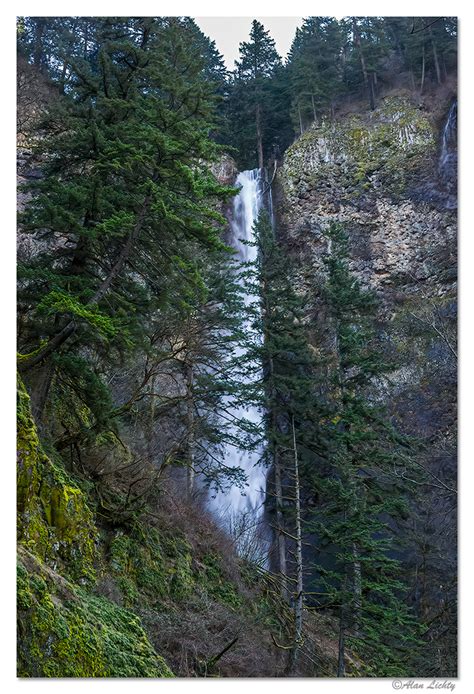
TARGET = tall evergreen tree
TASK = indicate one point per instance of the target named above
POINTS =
(253, 72)
(362, 491)
(293, 411)
(123, 198)
(314, 68)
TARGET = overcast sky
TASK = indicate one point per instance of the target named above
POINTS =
(228, 32)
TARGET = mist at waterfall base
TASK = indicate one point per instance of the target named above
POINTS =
(241, 511)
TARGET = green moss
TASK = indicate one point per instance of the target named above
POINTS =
(157, 566)
(54, 520)
(136, 560)
(28, 453)
(182, 578)
(217, 585)
(68, 632)
(129, 591)
(23, 592)
(392, 143)
(152, 564)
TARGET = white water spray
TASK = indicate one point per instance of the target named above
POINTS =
(231, 506)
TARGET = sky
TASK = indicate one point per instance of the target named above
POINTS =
(228, 32)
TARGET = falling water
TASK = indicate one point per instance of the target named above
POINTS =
(448, 159)
(440, 190)
(232, 506)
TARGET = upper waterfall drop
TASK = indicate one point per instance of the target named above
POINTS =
(246, 208)
(230, 504)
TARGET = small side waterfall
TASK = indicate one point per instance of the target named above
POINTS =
(448, 158)
(440, 188)
(242, 510)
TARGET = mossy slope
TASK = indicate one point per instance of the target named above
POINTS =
(156, 596)
(64, 629)
(54, 520)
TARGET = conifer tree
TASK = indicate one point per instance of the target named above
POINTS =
(123, 199)
(314, 68)
(362, 495)
(293, 411)
(254, 70)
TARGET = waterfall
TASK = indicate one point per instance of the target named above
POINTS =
(236, 507)
(440, 189)
(447, 165)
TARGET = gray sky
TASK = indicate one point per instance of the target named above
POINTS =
(228, 32)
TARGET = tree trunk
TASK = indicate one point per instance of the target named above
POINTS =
(277, 466)
(315, 116)
(279, 518)
(341, 664)
(435, 57)
(258, 123)
(422, 82)
(363, 65)
(372, 85)
(190, 429)
(86, 39)
(444, 70)
(38, 52)
(62, 79)
(40, 390)
(151, 421)
(357, 588)
(300, 119)
(298, 607)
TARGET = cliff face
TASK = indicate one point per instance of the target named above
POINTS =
(384, 177)
(379, 176)
(373, 174)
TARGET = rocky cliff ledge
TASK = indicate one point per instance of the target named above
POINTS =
(375, 174)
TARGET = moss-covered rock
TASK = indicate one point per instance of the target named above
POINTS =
(384, 146)
(157, 566)
(65, 631)
(54, 520)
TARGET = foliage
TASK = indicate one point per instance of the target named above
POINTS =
(364, 490)
(125, 199)
(252, 108)
(67, 632)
